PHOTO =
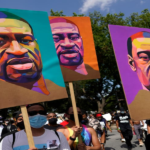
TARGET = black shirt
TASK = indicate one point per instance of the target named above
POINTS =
(124, 121)
(52, 128)
(148, 122)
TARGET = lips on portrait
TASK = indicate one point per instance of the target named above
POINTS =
(69, 57)
(22, 70)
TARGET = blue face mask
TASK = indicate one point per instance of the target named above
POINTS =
(37, 121)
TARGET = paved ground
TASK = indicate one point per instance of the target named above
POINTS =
(113, 142)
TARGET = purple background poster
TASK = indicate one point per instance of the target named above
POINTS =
(130, 81)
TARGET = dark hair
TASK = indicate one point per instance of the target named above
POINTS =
(129, 46)
(28, 106)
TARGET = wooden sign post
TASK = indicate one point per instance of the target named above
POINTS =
(74, 108)
(27, 127)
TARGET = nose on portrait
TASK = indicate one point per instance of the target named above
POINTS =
(16, 49)
(67, 43)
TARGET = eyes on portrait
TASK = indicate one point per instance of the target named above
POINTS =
(71, 36)
(144, 56)
(20, 38)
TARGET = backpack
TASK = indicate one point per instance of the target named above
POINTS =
(7, 131)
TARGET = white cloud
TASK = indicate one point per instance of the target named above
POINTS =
(103, 4)
(142, 1)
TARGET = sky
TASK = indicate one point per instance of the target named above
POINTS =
(79, 6)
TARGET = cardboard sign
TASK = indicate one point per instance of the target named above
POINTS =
(132, 51)
(29, 66)
(73, 39)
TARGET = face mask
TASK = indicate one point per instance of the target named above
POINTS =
(21, 125)
(52, 121)
(37, 121)
(72, 117)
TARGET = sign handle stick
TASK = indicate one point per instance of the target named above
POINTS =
(74, 108)
(27, 126)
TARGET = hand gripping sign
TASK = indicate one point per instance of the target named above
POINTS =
(73, 39)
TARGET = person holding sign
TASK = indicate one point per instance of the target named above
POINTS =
(71, 132)
(42, 137)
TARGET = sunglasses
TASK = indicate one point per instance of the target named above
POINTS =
(41, 112)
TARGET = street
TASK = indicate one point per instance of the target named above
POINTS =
(113, 142)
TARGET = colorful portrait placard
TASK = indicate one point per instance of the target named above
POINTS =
(132, 51)
(73, 39)
(29, 66)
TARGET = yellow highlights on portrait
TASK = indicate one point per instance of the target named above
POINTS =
(14, 26)
(142, 43)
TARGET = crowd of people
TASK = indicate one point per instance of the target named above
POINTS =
(53, 132)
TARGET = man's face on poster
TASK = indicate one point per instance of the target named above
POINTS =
(20, 59)
(68, 43)
(141, 59)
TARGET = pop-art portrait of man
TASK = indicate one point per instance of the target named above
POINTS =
(132, 50)
(20, 61)
(29, 67)
(139, 57)
(70, 48)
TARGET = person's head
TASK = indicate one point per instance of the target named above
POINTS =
(19, 121)
(52, 118)
(99, 116)
(37, 115)
(20, 58)
(6, 122)
(122, 111)
(139, 56)
(84, 115)
(84, 121)
(68, 42)
(70, 114)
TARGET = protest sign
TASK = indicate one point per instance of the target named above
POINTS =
(132, 51)
(29, 66)
(73, 39)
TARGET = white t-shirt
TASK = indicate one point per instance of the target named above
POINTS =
(43, 142)
(1, 128)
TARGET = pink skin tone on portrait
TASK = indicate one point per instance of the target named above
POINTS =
(70, 47)
(141, 64)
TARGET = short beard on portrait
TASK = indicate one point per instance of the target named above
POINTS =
(72, 61)
(26, 77)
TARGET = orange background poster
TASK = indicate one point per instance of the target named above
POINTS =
(90, 58)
